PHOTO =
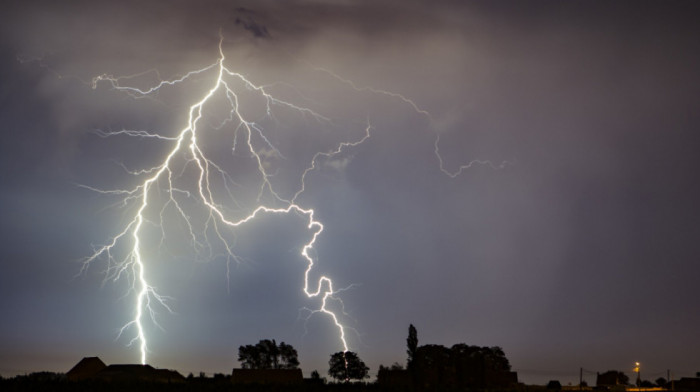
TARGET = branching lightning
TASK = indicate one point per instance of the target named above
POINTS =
(124, 252)
(134, 263)
(419, 110)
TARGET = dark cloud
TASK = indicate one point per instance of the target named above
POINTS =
(255, 28)
(581, 253)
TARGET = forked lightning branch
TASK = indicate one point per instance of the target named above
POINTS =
(126, 253)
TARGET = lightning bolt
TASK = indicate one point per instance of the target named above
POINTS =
(124, 252)
(186, 142)
(421, 111)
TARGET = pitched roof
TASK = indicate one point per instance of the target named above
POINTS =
(93, 368)
(86, 368)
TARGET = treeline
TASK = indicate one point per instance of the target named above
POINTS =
(460, 367)
(268, 365)
(268, 355)
(30, 383)
(23, 384)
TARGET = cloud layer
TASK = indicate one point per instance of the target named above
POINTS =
(585, 244)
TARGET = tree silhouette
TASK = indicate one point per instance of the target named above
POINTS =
(347, 366)
(491, 358)
(461, 366)
(432, 356)
(288, 356)
(412, 344)
(614, 377)
(267, 355)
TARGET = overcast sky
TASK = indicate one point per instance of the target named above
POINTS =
(578, 247)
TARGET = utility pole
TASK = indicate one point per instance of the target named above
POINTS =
(580, 379)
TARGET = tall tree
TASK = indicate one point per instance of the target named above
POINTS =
(347, 366)
(613, 377)
(249, 357)
(288, 356)
(412, 344)
(268, 355)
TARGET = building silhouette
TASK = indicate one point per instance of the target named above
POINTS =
(92, 368)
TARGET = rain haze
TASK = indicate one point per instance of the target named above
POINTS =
(571, 241)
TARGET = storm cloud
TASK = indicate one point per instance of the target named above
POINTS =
(581, 252)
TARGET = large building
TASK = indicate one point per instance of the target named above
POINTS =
(92, 368)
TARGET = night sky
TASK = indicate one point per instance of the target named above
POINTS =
(577, 247)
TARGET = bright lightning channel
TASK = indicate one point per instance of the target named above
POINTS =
(132, 262)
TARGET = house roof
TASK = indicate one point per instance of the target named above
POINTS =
(93, 368)
(86, 368)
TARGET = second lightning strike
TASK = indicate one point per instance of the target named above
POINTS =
(133, 263)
